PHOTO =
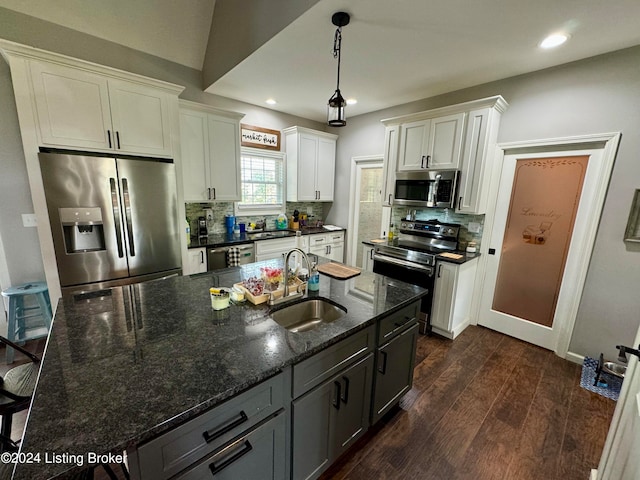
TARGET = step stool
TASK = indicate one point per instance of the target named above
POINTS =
(27, 302)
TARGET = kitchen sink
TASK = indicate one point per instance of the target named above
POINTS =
(307, 314)
(279, 234)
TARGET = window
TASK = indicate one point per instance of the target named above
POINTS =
(262, 180)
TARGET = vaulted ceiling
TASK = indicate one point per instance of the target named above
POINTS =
(393, 51)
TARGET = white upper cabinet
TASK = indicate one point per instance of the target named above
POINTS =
(445, 142)
(78, 108)
(458, 137)
(140, 118)
(479, 147)
(72, 106)
(432, 143)
(389, 164)
(311, 160)
(210, 143)
(414, 145)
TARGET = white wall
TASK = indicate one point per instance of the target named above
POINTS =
(596, 95)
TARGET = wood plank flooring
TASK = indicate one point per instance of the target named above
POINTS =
(483, 407)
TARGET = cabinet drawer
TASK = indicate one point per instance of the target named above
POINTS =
(264, 247)
(393, 324)
(172, 452)
(316, 240)
(258, 455)
(313, 371)
(335, 237)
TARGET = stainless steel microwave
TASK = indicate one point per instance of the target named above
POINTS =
(429, 188)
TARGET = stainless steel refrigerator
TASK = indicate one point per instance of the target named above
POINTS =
(113, 220)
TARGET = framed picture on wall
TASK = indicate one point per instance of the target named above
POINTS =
(632, 233)
(259, 137)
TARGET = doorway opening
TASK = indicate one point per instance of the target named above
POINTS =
(367, 217)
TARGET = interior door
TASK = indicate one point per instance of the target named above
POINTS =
(148, 191)
(620, 459)
(547, 209)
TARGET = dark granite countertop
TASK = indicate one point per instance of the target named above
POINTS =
(122, 368)
(224, 239)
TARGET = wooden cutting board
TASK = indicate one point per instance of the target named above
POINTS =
(338, 270)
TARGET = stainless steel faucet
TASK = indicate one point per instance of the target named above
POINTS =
(285, 279)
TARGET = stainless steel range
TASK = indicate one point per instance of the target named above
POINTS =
(413, 258)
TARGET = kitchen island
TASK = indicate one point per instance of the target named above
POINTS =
(126, 365)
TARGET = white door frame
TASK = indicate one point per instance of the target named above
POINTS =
(619, 458)
(607, 143)
(370, 161)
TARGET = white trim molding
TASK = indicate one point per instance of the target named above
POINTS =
(607, 145)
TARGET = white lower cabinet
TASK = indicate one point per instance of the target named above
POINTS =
(451, 309)
(367, 257)
(274, 248)
(330, 245)
(197, 261)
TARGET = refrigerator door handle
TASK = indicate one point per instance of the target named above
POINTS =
(127, 214)
(116, 215)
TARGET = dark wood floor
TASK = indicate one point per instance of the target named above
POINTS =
(485, 406)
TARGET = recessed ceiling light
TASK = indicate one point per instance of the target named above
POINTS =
(270, 101)
(554, 40)
(351, 101)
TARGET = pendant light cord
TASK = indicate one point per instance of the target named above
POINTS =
(337, 43)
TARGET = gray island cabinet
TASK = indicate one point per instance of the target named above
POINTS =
(193, 393)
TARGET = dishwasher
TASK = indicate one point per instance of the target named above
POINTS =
(217, 256)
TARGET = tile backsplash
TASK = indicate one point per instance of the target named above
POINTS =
(448, 216)
(215, 225)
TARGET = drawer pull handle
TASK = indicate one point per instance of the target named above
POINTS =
(345, 395)
(382, 368)
(210, 436)
(224, 464)
(337, 396)
(406, 320)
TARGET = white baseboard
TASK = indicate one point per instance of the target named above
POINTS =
(594, 474)
(574, 357)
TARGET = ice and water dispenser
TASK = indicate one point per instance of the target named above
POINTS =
(83, 229)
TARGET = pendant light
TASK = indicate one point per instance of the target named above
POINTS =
(335, 109)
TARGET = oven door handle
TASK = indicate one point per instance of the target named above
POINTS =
(403, 263)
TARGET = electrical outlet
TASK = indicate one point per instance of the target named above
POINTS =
(29, 220)
(473, 227)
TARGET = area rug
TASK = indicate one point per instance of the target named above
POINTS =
(609, 385)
